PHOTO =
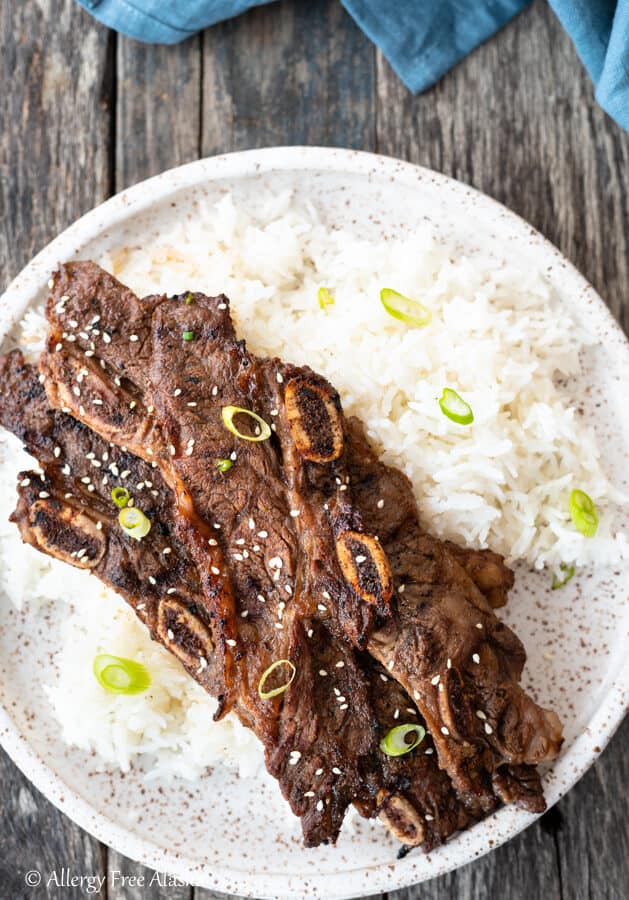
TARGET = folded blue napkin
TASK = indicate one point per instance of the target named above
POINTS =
(422, 39)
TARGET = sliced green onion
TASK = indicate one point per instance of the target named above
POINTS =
(325, 298)
(266, 695)
(455, 408)
(119, 675)
(559, 582)
(189, 299)
(223, 465)
(120, 496)
(188, 335)
(412, 312)
(133, 522)
(394, 742)
(583, 513)
(228, 413)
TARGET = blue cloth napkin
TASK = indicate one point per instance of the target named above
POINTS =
(422, 39)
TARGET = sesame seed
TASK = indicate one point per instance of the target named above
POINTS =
(106, 337)
(449, 663)
(133, 404)
(344, 706)
(170, 634)
(310, 632)
(141, 606)
(361, 559)
(476, 658)
(273, 412)
(288, 589)
(25, 482)
(66, 470)
(222, 306)
(429, 751)
(319, 772)
(413, 712)
(337, 692)
(275, 562)
(76, 391)
(56, 452)
(481, 714)
(263, 534)
(167, 550)
(96, 463)
(435, 680)
(309, 794)
(90, 488)
(214, 391)
(125, 473)
(444, 730)
(336, 770)
(294, 513)
(321, 607)
(240, 541)
(390, 665)
(343, 487)
(230, 642)
(279, 378)
(340, 664)
(322, 672)
(170, 591)
(479, 624)
(51, 284)
(44, 495)
(176, 392)
(261, 598)
(326, 594)
(384, 677)
(172, 450)
(252, 524)
(152, 580)
(319, 802)
(380, 504)
(86, 479)
(192, 403)
(97, 401)
(488, 728)
(401, 589)
(215, 571)
(279, 625)
(428, 817)
(81, 553)
(244, 613)
(396, 714)
(58, 347)
(295, 754)
(133, 338)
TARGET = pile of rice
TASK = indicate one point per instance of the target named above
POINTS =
(498, 336)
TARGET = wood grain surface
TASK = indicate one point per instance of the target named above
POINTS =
(84, 113)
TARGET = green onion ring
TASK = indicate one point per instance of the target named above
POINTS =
(188, 336)
(412, 312)
(266, 695)
(583, 513)
(120, 496)
(119, 675)
(189, 299)
(559, 582)
(455, 408)
(133, 522)
(394, 742)
(228, 413)
(224, 465)
(325, 298)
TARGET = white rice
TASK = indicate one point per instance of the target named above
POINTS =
(498, 336)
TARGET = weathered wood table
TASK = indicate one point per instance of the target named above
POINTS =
(85, 113)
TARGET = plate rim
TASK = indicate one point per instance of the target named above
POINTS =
(18, 295)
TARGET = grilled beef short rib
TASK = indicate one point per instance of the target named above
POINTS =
(411, 600)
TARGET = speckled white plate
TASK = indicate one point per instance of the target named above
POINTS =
(235, 836)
